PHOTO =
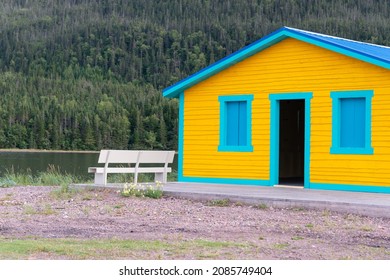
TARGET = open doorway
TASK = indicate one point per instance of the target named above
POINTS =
(292, 142)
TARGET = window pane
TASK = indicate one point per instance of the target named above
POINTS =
(242, 124)
(236, 122)
(232, 115)
(352, 122)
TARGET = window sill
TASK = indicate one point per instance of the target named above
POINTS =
(222, 148)
(352, 151)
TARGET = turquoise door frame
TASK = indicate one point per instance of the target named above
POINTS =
(275, 120)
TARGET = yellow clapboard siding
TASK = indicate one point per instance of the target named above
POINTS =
(258, 160)
(232, 169)
(364, 177)
(347, 181)
(290, 66)
(379, 171)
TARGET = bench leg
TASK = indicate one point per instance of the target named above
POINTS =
(161, 177)
(100, 179)
(135, 180)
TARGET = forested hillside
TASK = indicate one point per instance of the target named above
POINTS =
(88, 74)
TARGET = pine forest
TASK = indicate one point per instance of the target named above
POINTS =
(89, 74)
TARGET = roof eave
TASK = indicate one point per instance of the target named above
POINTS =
(240, 55)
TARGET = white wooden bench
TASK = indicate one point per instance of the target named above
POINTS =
(135, 161)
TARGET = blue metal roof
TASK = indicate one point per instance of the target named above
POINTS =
(375, 54)
(375, 51)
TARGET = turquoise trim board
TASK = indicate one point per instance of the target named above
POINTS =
(232, 119)
(353, 188)
(374, 54)
(274, 143)
(181, 137)
(230, 181)
(337, 121)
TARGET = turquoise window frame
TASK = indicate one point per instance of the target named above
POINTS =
(336, 115)
(223, 147)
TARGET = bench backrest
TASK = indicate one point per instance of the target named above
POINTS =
(136, 157)
(156, 156)
(118, 156)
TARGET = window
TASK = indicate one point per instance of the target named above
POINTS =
(351, 122)
(235, 123)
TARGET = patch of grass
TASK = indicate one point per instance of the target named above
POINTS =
(297, 238)
(23, 179)
(346, 258)
(86, 210)
(120, 178)
(48, 210)
(309, 225)
(6, 183)
(45, 210)
(114, 249)
(299, 209)
(63, 192)
(217, 244)
(172, 176)
(350, 217)
(52, 177)
(326, 213)
(107, 209)
(29, 210)
(87, 196)
(7, 196)
(280, 246)
(128, 177)
(261, 206)
(220, 202)
(366, 228)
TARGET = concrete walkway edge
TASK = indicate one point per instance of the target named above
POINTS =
(369, 204)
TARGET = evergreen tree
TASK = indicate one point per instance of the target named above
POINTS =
(88, 74)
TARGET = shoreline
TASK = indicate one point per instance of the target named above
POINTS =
(45, 151)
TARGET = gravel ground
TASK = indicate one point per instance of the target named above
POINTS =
(273, 233)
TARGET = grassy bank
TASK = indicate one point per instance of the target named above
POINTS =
(43, 248)
(51, 177)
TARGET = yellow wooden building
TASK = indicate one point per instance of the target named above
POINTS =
(295, 108)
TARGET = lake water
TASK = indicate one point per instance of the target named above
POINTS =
(66, 162)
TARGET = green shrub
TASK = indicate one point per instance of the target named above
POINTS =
(6, 183)
(153, 192)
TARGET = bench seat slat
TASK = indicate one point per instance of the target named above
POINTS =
(112, 170)
(128, 169)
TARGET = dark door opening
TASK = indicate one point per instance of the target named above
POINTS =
(291, 142)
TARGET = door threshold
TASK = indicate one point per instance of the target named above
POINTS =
(289, 186)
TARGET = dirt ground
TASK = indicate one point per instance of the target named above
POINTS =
(273, 233)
